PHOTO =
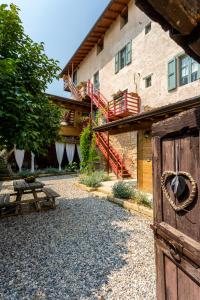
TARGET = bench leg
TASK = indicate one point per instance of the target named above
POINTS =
(52, 201)
(36, 200)
(18, 203)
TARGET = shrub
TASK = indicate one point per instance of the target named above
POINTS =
(123, 190)
(90, 180)
(102, 175)
(93, 157)
(72, 167)
(25, 173)
(85, 141)
(142, 198)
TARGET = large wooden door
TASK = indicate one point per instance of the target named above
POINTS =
(144, 164)
(176, 145)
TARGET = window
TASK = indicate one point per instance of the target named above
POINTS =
(148, 81)
(123, 57)
(188, 71)
(96, 80)
(124, 17)
(75, 77)
(148, 28)
(194, 70)
(184, 69)
(100, 45)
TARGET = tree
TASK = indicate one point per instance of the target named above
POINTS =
(27, 118)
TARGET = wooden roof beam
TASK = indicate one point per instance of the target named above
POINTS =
(103, 27)
(116, 11)
(121, 3)
(109, 18)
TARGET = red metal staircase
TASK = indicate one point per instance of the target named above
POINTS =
(115, 161)
(128, 104)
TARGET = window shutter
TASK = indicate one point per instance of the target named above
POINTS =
(117, 63)
(129, 53)
(172, 81)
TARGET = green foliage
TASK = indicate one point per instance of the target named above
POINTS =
(88, 149)
(142, 198)
(102, 176)
(93, 157)
(94, 179)
(85, 141)
(91, 180)
(72, 167)
(25, 73)
(123, 190)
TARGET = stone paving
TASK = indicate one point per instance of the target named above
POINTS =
(88, 248)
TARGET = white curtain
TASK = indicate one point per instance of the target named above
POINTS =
(79, 151)
(59, 152)
(70, 149)
(19, 157)
(32, 162)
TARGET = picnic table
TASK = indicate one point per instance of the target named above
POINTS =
(21, 187)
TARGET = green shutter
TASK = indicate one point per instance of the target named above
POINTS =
(172, 81)
(129, 53)
(117, 63)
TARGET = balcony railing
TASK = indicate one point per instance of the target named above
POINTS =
(125, 105)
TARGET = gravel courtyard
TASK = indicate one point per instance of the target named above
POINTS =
(87, 248)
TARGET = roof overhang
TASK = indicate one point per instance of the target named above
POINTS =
(69, 103)
(145, 120)
(180, 17)
(110, 14)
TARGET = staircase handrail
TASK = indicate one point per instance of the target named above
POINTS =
(73, 88)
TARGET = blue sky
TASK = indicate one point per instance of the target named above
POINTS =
(60, 24)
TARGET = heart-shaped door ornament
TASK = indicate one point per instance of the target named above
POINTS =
(166, 176)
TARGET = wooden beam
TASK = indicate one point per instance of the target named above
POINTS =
(182, 15)
(109, 18)
(103, 27)
(115, 11)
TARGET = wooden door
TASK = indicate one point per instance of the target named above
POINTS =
(144, 167)
(177, 233)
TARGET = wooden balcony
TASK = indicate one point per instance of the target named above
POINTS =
(69, 130)
(126, 105)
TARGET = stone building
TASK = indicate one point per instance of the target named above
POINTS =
(126, 52)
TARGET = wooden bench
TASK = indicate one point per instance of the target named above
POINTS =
(51, 195)
(6, 205)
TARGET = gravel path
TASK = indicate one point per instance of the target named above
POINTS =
(87, 248)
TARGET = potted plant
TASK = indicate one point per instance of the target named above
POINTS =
(117, 95)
